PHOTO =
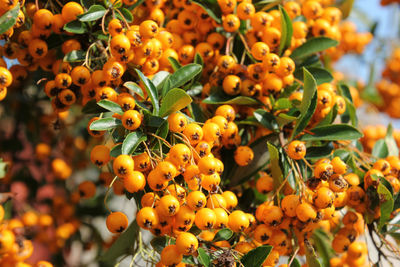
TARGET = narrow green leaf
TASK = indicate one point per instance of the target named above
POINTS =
(387, 203)
(266, 119)
(346, 7)
(91, 107)
(287, 31)
(159, 243)
(75, 26)
(122, 245)
(282, 103)
(75, 56)
(176, 99)
(8, 19)
(380, 149)
(105, 124)
(132, 141)
(174, 63)
(311, 257)
(256, 257)
(110, 106)
(333, 132)
(276, 171)
(181, 76)
(151, 91)
(295, 263)
(134, 88)
(393, 150)
(223, 234)
(219, 98)
(160, 78)
(323, 244)
(317, 152)
(138, 3)
(212, 10)
(308, 103)
(126, 13)
(95, 12)
(313, 45)
(320, 75)
(116, 151)
(203, 257)
(309, 88)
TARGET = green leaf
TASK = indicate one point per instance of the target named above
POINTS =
(126, 13)
(176, 99)
(284, 119)
(159, 243)
(346, 7)
(387, 203)
(317, 152)
(295, 263)
(134, 88)
(95, 12)
(122, 245)
(282, 103)
(75, 56)
(110, 106)
(3, 168)
(116, 150)
(393, 150)
(75, 26)
(287, 31)
(105, 124)
(333, 132)
(263, 3)
(8, 19)
(310, 87)
(320, 75)
(152, 121)
(87, 3)
(212, 10)
(313, 45)
(223, 234)
(330, 117)
(323, 245)
(238, 174)
(276, 171)
(174, 63)
(308, 103)
(138, 3)
(151, 91)
(380, 149)
(256, 257)
(181, 76)
(219, 98)
(203, 257)
(132, 141)
(91, 107)
(311, 257)
(266, 119)
(160, 78)
(198, 59)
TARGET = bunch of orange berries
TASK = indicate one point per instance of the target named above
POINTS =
(373, 133)
(181, 191)
(389, 86)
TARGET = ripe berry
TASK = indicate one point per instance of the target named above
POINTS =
(117, 222)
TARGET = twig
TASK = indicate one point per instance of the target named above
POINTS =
(162, 139)
(108, 191)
